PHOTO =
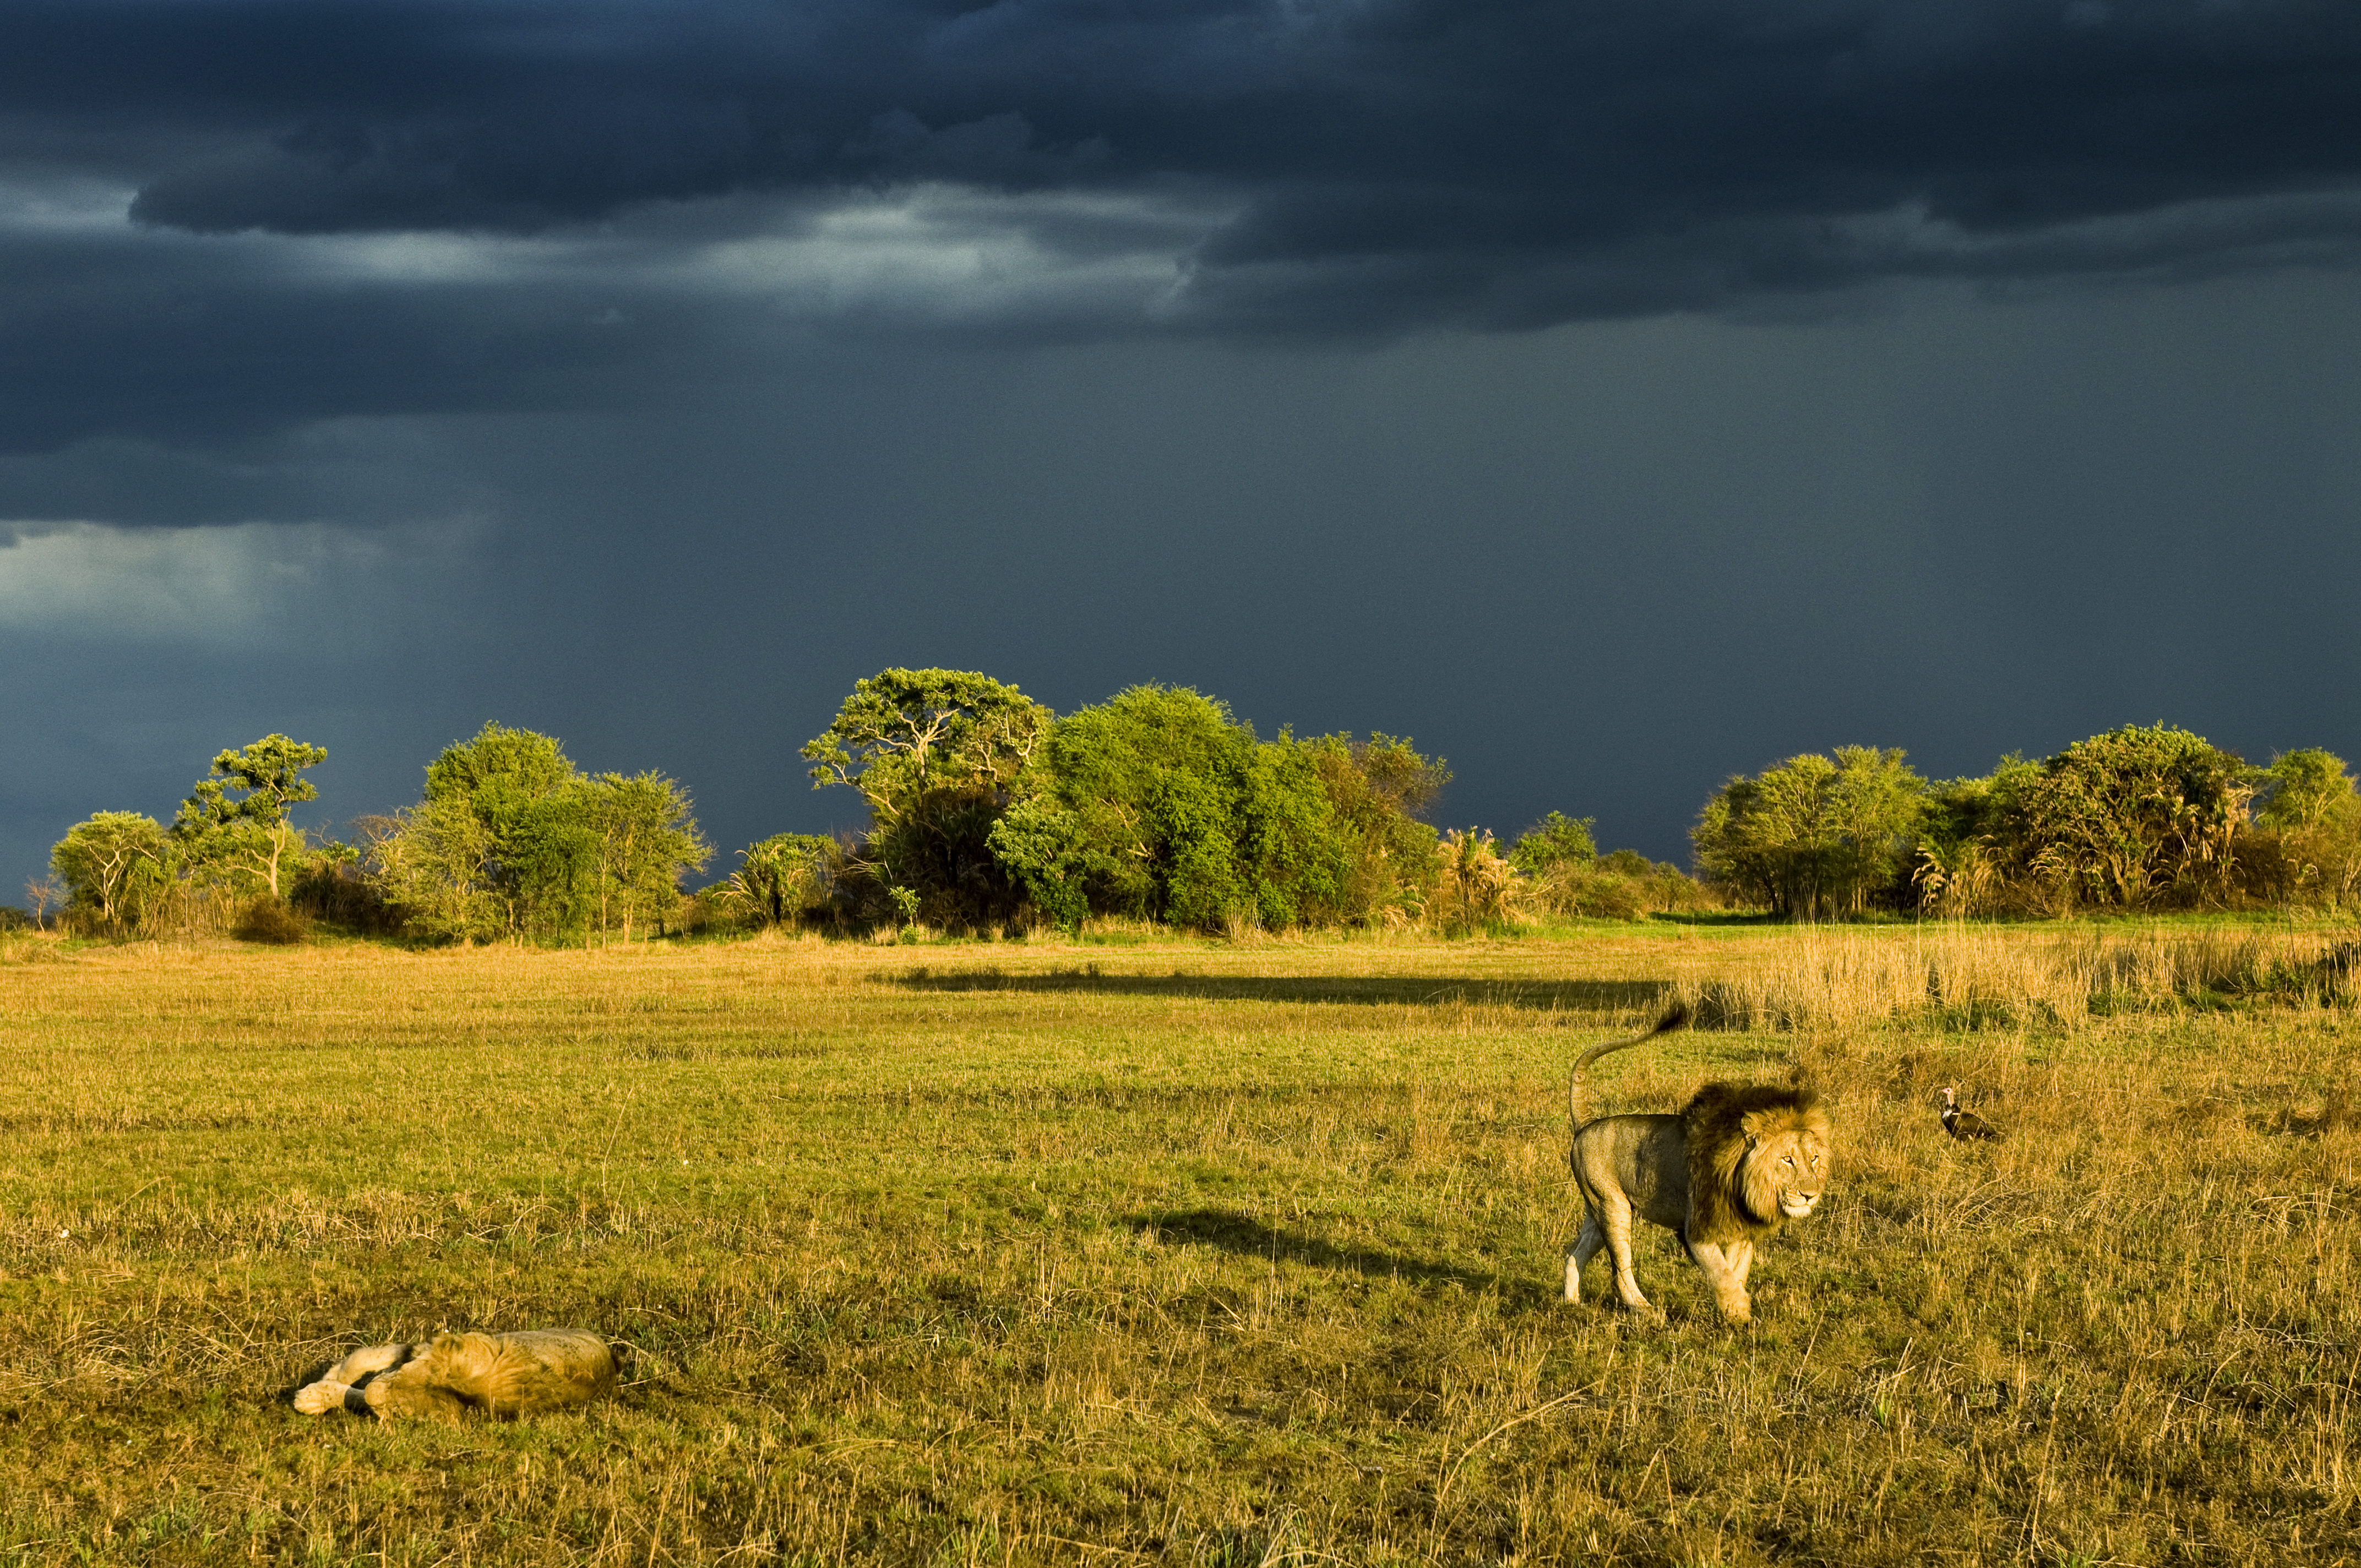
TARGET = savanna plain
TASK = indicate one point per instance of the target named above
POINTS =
(1193, 1251)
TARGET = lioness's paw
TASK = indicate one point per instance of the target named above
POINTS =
(318, 1398)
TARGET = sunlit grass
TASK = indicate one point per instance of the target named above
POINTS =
(1170, 1249)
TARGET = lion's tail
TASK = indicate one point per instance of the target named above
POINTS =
(1676, 1016)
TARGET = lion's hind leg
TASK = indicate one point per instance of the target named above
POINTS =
(1578, 1256)
(1616, 1227)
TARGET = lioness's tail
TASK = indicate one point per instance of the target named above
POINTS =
(1676, 1016)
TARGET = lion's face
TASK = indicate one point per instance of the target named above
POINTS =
(1786, 1173)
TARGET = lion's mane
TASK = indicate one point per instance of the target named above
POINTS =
(1729, 1128)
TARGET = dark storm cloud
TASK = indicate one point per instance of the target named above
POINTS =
(1376, 164)
(108, 331)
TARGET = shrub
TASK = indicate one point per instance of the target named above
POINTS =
(268, 919)
(333, 890)
(789, 878)
(1556, 840)
(1475, 888)
(2133, 818)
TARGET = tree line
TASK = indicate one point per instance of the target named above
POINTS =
(988, 812)
(509, 840)
(2143, 818)
(1158, 804)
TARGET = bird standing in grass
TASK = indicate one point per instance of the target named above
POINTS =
(1965, 1125)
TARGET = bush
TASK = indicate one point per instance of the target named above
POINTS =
(789, 878)
(334, 890)
(1477, 889)
(1554, 843)
(2304, 847)
(1624, 885)
(269, 920)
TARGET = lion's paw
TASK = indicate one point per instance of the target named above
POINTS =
(318, 1398)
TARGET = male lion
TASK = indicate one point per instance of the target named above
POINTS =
(1737, 1161)
(507, 1375)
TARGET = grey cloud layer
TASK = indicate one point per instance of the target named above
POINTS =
(1374, 164)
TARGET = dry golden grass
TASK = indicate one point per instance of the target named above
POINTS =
(1983, 976)
(1219, 1253)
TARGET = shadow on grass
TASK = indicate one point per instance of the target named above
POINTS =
(1408, 991)
(1247, 1236)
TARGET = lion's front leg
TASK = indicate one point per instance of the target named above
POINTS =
(1726, 1266)
(319, 1398)
(343, 1382)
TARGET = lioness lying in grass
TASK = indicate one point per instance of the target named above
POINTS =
(504, 1374)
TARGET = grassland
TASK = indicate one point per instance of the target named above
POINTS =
(1192, 1252)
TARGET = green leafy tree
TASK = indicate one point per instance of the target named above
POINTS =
(1159, 804)
(235, 818)
(117, 867)
(548, 867)
(2307, 789)
(432, 863)
(1379, 789)
(1555, 840)
(1140, 804)
(2135, 817)
(644, 839)
(1870, 814)
(1293, 855)
(937, 754)
(2306, 844)
(1042, 845)
(1813, 836)
(512, 840)
(501, 802)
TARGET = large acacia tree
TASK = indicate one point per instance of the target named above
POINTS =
(936, 755)
(235, 820)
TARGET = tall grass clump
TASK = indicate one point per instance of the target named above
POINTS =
(1981, 977)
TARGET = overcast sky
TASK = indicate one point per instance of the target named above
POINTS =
(1611, 395)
